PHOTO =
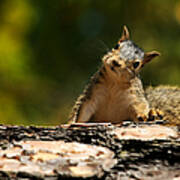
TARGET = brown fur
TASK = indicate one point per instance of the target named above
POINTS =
(167, 99)
(115, 92)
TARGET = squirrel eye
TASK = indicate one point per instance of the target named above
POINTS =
(136, 64)
(117, 46)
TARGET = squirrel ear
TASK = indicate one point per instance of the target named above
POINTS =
(125, 34)
(150, 55)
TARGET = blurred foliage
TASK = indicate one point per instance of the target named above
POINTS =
(49, 49)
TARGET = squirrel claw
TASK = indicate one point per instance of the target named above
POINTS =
(142, 118)
(160, 114)
(155, 114)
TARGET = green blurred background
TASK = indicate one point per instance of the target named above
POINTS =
(49, 49)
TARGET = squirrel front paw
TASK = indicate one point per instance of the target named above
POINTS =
(154, 114)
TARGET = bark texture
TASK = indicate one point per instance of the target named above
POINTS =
(90, 151)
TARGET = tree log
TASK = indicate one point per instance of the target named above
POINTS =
(90, 151)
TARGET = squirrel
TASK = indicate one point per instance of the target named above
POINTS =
(115, 92)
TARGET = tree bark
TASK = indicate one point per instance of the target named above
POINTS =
(90, 151)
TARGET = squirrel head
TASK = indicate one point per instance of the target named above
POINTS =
(134, 56)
